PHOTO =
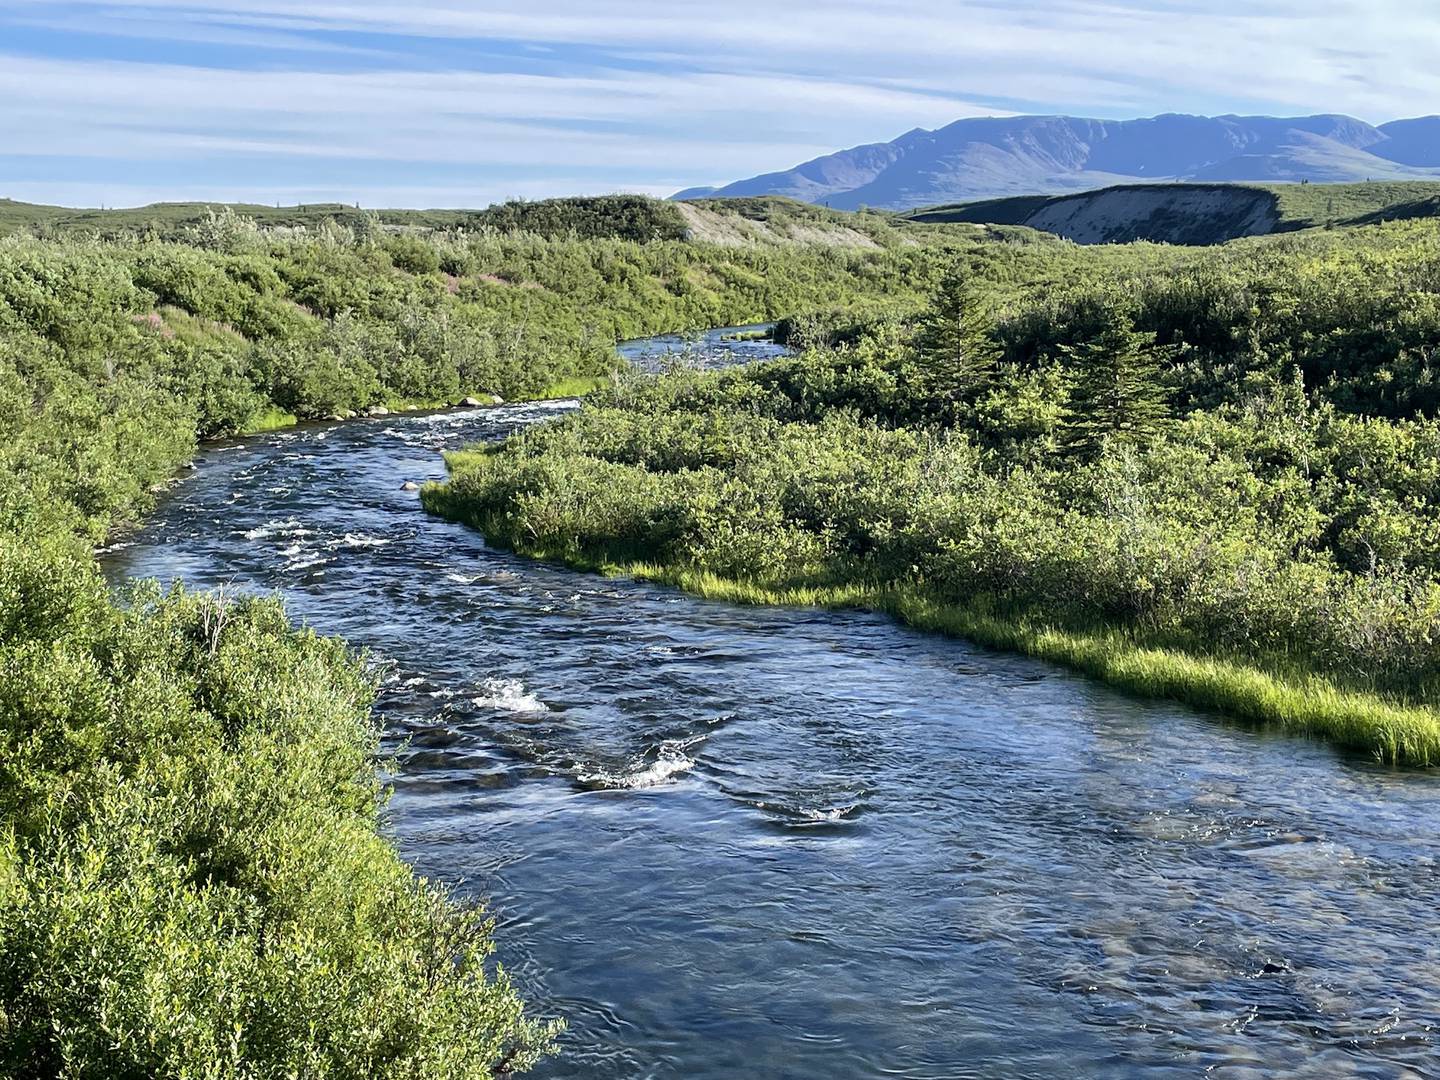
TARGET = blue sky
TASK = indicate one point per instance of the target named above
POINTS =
(122, 102)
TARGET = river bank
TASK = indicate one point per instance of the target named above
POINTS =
(1298, 705)
(718, 347)
(1051, 478)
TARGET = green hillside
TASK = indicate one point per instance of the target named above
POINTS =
(168, 217)
(1303, 206)
(1173, 213)
(750, 221)
(1014, 210)
(631, 217)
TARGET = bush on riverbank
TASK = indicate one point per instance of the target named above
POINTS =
(607, 217)
(1070, 471)
(191, 878)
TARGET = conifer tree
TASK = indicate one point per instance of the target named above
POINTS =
(959, 356)
(1118, 391)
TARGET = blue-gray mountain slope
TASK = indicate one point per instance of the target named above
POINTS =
(995, 156)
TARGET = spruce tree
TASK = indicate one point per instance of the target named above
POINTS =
(958, 354)
(1118, 391)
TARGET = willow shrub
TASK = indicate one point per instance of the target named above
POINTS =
(192, 880)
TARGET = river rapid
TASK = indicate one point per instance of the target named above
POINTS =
(729, 842)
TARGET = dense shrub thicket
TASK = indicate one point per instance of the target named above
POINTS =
(192, 883)
(239, 320)
(611, 217)
(1237, 459)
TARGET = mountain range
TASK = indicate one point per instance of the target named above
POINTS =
(989, 157)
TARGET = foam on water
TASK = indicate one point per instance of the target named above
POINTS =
(669, 762)
(508, 695)
(354, 540)
(269, 529)
(833, 813)
(289, 527)
(306, 564)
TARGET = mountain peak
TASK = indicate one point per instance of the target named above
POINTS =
(987, 157)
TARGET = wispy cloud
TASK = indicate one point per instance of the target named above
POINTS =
(456, 102)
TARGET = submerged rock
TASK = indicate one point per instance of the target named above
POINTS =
(409, 485)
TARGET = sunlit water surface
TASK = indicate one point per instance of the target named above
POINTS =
(733, 842)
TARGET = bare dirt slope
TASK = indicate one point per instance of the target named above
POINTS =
(1171, 213)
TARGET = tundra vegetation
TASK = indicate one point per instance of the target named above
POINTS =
(192, 878)
(1210, 474)
(1204, 473)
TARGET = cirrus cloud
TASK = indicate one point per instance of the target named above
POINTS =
(448, 104)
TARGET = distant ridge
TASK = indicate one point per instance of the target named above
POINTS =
(991, 157)
(1195, 214)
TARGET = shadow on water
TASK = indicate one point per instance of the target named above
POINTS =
(756, 842)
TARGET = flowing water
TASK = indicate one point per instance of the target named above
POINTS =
(731, 842)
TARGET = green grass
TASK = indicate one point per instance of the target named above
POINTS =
(778, 210)
(806, 220)
(1303, 206)
(168, 217)
(272, 419)
(578, 386)
(1295, 704)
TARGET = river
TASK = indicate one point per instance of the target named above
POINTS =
(730, 842)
